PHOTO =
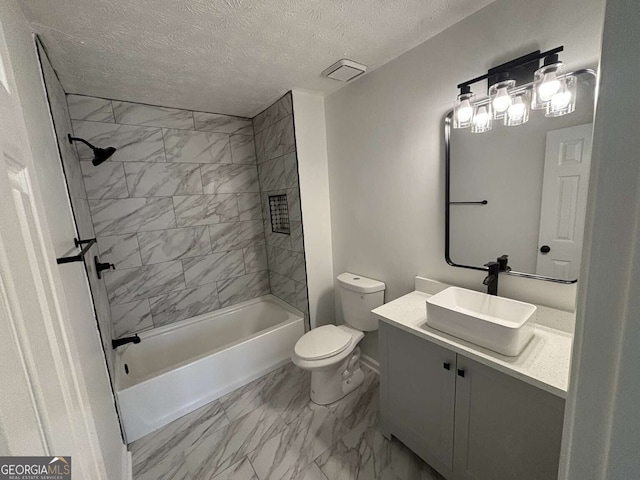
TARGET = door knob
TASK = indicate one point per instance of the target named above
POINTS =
(460, 372)
(446, 365)
(545, 249)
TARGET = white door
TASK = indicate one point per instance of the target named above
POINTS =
(564, 201)
(42, 411)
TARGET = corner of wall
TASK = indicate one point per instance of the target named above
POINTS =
(313, 170)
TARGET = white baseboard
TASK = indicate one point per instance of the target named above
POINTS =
(371, 363)
(127, 466)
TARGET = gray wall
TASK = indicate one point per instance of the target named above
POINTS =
(278, 173)
(313, 173)
(385, 147)
(601, 440)
(176, 209)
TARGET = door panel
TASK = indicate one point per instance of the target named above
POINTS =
(421, 395)
(42, 407)
(505, 429)
(564, 201)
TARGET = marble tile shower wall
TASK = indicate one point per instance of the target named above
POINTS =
(177, 209)
(278, 174)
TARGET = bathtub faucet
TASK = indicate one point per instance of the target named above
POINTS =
(123, 341)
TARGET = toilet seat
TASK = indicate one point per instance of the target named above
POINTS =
(322, 342)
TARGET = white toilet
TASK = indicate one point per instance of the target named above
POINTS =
(331, 352)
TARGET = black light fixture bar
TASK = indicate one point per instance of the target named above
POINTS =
(525, 62)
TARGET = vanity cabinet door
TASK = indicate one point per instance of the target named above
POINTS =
(505, 429)
(418, 389)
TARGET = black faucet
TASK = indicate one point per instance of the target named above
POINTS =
(491, 280)
(502, 261)
(123, 341)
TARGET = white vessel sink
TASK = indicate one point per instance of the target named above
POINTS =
(497, 323)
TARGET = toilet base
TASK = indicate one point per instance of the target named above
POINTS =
(330, 385)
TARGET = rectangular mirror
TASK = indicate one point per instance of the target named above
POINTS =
(521, 190)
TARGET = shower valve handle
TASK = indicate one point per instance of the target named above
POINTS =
(100, 267)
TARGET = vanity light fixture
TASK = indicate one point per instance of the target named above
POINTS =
(482, 118)
(563, 101)
(500, 95)
(518, 111)
(463, 108)
(546, 82)
(515, 88)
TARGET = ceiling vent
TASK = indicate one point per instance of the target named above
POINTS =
(344, 70)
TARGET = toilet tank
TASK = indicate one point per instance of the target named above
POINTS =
(358, 296)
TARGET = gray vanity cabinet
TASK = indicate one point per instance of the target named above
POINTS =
(504, 428)
(469, 422)
(419, 382)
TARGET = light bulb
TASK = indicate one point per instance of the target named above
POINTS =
(564, 101)
(549, 86)
(482, 117)
(502, 101)
(463, 108)
(517, 110)
(465, 111)
(518, 113)
(560, 100)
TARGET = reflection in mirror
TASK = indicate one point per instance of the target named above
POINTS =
(534, 180)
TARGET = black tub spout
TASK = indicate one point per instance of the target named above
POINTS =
(123, 341)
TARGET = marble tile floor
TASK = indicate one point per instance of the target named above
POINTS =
(270, 430)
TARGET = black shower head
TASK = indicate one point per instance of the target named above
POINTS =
(99, 154)
(102, 154)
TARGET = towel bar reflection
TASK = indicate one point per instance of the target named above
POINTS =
(483, 202)
(79, 257)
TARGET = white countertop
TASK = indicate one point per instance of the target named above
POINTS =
(544, 362)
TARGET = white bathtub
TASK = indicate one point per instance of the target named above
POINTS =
(180, 367)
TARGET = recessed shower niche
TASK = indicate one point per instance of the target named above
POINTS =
(279, 214)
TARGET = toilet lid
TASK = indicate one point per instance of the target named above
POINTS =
(322, 342)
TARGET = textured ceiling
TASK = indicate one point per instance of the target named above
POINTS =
(226, 56)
